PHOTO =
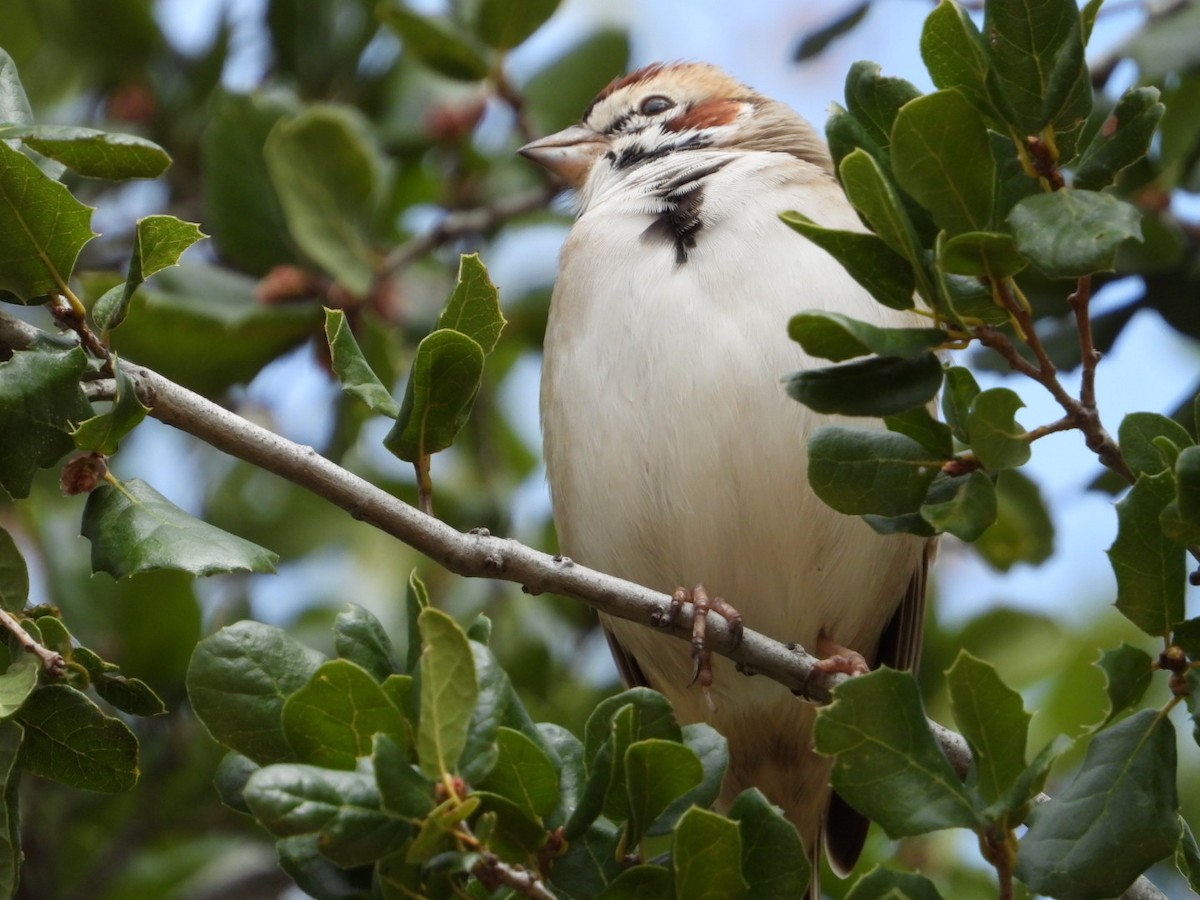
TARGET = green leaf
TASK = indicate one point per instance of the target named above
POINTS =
(14, 574)
(14, 105)
(435, 43)
(923, 428)
(300, 857)
(523, 774)
(814, 42)
(91, 153)
(432, 837)
(202, 326)
(240, 202)
(158, 243)
(503, 24)
(833, 336)
(1023, 531)
(1123, 139)
(556, 94)
(964, 506)
(873, 195)
(633, 715)
(887, 884)
(865, 471)
(130, 695)
(931, 137)
(1137, 435)
(1071, 233)
(964, 299)
(69, 740)
(19, 678)
(1087, 18)
(49, 631)
(448, 693)
(1187, 856)
(359, 637)
(329, 175)
(992, 717)
(706, 856)
(657, 772)
(514, 832)
(332, 720)
(567, 752)
(233, 771)
(711, 748)
(133, 528)
(996, 437)
(845, 133)
(1187, 635)
(103, 433)
(352, 369)
(1128, 670)
(446, 374)
(11, 737)
(640, 882)
(474, 305)
(1149, 566)
(953, 52)
(342, 807)
(1036, 57)
(888, 766)
(40, 400)
(877, 386)
(1115, 819)
(884, 273)
(416, 598)
(957, 398)
(590, 863)
(875, 101)
(42, 228)
(1187, 485)
(774, 862)
(402, 789)
(496, 705)
(238, 681)
(982, 254)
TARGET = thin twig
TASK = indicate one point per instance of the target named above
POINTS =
(1080, 302)
(52, 662)
(514, 101)
(1082, 416)
(492, 874)
(467, 222)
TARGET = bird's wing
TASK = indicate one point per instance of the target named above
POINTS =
(627, 666)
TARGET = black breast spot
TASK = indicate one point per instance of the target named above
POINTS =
(682, 216)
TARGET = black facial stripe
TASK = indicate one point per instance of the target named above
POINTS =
(618, 124)
(680, 221)
(636, 154)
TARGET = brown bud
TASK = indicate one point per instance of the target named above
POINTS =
(285, 283)
(449, 124)
(132, 102)
(81, 474)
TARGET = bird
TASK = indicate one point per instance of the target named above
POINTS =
(673, 454)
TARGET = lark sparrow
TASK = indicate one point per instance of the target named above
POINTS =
(673, 453)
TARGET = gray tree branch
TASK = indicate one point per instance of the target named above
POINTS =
(476, 554)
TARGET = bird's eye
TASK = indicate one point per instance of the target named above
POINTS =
(652, 106)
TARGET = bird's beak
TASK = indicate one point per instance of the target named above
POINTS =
(569, 153)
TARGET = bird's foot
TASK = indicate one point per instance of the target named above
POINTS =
(836, 658)
(702, 605)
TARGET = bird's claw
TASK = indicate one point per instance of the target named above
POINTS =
(702, 605)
